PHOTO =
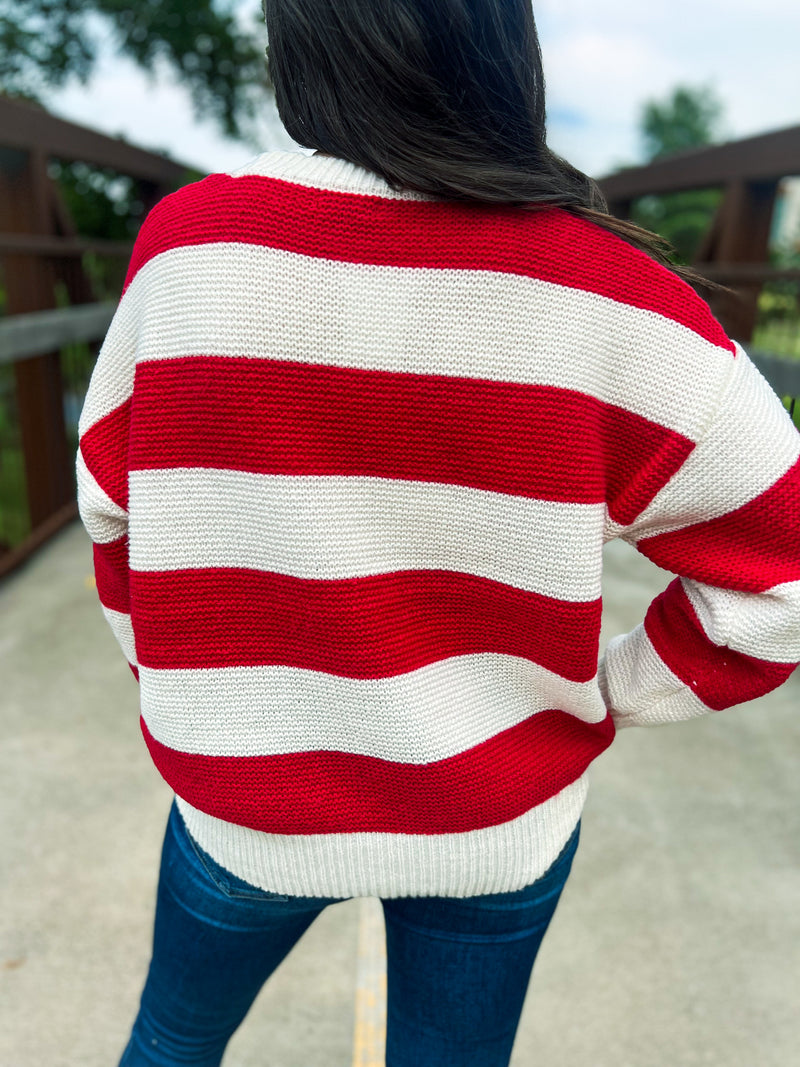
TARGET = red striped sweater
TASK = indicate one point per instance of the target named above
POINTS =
(349, 458)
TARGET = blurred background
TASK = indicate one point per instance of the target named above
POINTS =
(688, 113)
(159, 93)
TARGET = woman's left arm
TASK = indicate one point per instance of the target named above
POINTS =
(102, 472)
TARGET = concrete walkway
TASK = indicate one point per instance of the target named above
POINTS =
(677, 942)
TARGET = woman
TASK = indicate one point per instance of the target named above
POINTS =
(356, 437)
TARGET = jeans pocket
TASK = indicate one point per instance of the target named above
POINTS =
(223, 880)
(233, 887)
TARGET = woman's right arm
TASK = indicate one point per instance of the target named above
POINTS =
(727, 630)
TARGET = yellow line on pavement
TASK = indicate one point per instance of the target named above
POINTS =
(369, 1036)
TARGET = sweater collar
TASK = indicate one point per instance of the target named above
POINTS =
(323, 172)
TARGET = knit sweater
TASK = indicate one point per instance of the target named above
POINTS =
(348, 459)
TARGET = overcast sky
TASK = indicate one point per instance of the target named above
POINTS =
(602, 61)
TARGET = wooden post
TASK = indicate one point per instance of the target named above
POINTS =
(36, 251)
(29, 280)
(740, 234)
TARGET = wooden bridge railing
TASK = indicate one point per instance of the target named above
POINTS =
(735, 249)
(42, 256)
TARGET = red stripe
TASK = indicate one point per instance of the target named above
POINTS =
(750, 549)
(111, 574)
(372, 627)
(336, 792)
(549, 244)
(718, 675)
(104, 448)
(275, 417)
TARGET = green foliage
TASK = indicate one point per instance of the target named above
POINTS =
(778, 327)
(43, 43)
(683, 218)
(100, 202)
(107, 205)
(14, 517)
(689, 118)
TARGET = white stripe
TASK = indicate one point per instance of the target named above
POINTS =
(120, 624)
(765, 625)
(639, 688)
(429, 714)
(244, 300)
(751, 443)
(112, 378)
(343, 527)
(498, 859)
(323, 172)
(104, 520)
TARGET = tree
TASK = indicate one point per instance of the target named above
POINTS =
(220, 60)
(688, 118)
(43, 43)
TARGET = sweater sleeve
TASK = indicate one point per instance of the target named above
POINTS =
(102, 472)
(727, 629)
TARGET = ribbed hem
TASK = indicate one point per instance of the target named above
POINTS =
(323, 172)
(497, 859)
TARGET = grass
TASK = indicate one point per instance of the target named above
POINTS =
(787, 403)
(780, 337)
(15, 522)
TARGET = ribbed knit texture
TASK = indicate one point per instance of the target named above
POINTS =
(349, 458)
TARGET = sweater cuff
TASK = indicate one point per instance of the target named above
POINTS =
(639, 689)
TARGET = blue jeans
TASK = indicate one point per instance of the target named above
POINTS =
(458, 968)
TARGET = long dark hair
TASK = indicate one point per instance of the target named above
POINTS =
(446, 97)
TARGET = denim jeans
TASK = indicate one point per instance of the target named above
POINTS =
(458, 968)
